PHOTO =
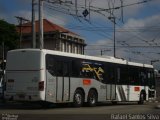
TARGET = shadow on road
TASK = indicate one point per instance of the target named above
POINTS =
(35, 106)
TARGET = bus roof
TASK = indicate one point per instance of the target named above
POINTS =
(103, 58)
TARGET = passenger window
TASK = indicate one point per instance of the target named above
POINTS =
(87, 70)
(75, 68)
(91, 69)
(59, 68)
(50, 64)
(66, 68)
(110, 73)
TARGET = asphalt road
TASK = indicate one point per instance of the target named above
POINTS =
(105, 111)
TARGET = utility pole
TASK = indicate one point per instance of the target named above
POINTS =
(114, 34)
(3, 68)
(41, 24)
(21, 19)
(101, 52)
(33, 25)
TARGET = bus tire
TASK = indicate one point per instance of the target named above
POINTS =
(141, 98)
(92, 98)
(78, 99)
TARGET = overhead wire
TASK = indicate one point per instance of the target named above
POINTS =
(104, 30)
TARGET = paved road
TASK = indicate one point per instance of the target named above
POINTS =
(103, 111)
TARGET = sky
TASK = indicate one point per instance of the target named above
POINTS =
(137, 28)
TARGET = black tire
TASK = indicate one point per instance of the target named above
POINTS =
(78, 99)
(141, 99)
(92, 98)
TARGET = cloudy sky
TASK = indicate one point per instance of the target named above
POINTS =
(137, 24)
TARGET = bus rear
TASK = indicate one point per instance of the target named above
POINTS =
(24, 75)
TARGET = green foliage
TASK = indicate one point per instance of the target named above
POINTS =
(8, 35)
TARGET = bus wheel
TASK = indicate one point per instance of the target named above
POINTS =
(141, 99)
(92, 98)
(78, 98)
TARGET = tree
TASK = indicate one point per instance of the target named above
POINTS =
(8, 35)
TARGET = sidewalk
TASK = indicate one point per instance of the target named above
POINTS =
(157, 101)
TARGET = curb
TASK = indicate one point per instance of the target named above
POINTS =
(153, 101)
(158, 106)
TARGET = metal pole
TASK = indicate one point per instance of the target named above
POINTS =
(21, 19)
(20, 39)
(33, 25)
(101, 52)
(3, 68)
(41, 23)
(114, 37)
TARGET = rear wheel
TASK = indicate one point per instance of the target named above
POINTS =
(92, 98)
(78, 98)
(141, 99)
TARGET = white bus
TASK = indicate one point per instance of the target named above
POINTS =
(59, 77)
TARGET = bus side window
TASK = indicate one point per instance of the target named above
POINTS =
(66, 69)
(75, 68)
(59, 68)
(109, 75)
(145, 78)
(87, 70)
(124, 75)
(142, 78)
(134, 75)
(118, 75)
(50, 64)
(151, 80)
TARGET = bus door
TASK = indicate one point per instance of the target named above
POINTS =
(50, 86)
(113, 91)
(63, 81)
(123, 88)
(111, 86)
(50, 79)
(151, 83)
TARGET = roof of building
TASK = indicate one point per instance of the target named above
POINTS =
(47, 27)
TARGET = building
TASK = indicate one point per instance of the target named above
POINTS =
(55, 38)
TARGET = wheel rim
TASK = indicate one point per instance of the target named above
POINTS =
(78, 98)
(92, 99)
(142, 98)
